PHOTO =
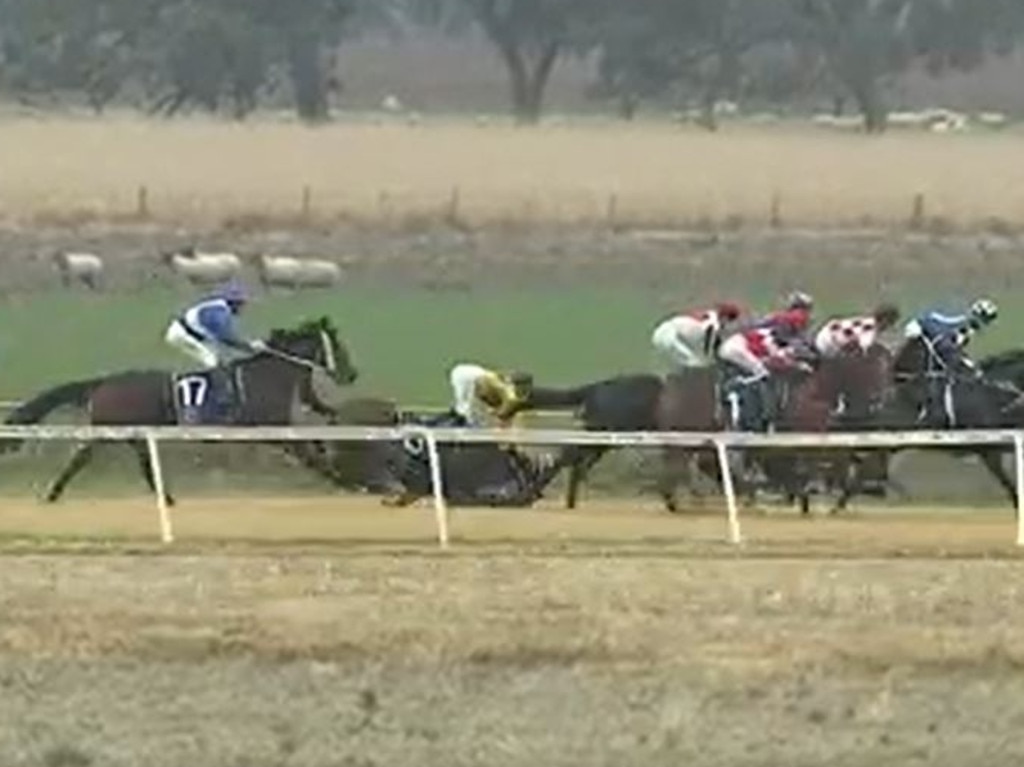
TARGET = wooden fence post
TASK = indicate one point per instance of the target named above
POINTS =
(775, 211)
(611, 212)
(307, 202)
(917, 212)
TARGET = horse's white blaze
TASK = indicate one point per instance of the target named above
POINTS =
(329, 362)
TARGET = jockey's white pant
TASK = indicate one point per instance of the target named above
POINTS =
(735, 351)
(463, 379)
(672, 348)
(206, 354)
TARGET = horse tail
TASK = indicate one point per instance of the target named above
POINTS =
(75, 393)
(555, 399)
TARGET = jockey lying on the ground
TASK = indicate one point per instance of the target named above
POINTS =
(854, 334)
(691, 340)
(946, 336)
(478, 392)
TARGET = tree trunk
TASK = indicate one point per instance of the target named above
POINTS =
(529, 80)
(309, 81)
(866, 92)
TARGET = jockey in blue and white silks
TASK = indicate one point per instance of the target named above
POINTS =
(945, 336)
(206, 331)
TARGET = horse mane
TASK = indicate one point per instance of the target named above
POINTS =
(307, 327)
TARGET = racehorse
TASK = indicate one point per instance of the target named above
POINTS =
(842, 393)
(684, 401)
(268, 382)
(690, 401)
(471, 474)
(969, 400)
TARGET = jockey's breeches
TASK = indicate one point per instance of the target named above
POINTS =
(667, 341)
(735, 351)
(203, 352)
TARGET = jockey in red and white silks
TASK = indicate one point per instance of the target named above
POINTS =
(769, 345)
(854, 334)
(691, 340)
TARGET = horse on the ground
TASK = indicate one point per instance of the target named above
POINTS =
(267, 386)
(472, 474)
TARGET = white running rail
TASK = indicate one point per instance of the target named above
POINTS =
(721, 442)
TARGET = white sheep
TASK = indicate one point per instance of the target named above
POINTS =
(203, 268)
(291, 272)
(86, 268)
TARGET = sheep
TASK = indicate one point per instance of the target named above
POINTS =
(291, 272)
(86, 268)
(202, 268)
(992, 119)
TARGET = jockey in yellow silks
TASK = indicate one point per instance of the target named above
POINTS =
(479, 393)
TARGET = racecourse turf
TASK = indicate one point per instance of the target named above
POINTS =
(403, 341)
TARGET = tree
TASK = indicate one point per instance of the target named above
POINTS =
(866, 43)
(531, 36)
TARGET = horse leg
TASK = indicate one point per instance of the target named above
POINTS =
(993, 460)
(142, 454)
(582, 463)
(311, 456)
(79, 460)
(672, 460)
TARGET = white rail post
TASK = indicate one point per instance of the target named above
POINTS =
(735, 535)
(437, 483)
(1018, 454)
(166, 534)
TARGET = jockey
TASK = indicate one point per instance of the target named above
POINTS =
(795, 318)
(945, 336)
(691, 340)
(761, 351)
(855, 334)
(478, 391)
(206, 331)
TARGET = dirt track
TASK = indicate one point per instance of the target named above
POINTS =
(614, 525)
(613, 635)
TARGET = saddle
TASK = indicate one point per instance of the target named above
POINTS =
(208, 397)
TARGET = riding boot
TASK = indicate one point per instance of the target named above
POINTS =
(223, 392)
(768, 399)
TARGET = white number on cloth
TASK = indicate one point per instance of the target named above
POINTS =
(192, 390)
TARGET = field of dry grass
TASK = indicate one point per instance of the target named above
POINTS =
(661, 652)
(203, 172)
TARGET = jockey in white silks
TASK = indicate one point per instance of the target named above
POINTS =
(691, 340)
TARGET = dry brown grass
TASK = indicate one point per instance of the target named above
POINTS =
(204, 172)
(272, 659)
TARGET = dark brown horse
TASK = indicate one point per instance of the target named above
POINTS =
(841, 394)
(684, 401)
(271, 382)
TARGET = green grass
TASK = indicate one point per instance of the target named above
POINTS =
(403, 341)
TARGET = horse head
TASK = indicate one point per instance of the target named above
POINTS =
(317, 341)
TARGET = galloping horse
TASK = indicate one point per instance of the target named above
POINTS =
(269, 382)
(690, 401)
(683, 401)
(841, 394)
(969, 401)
